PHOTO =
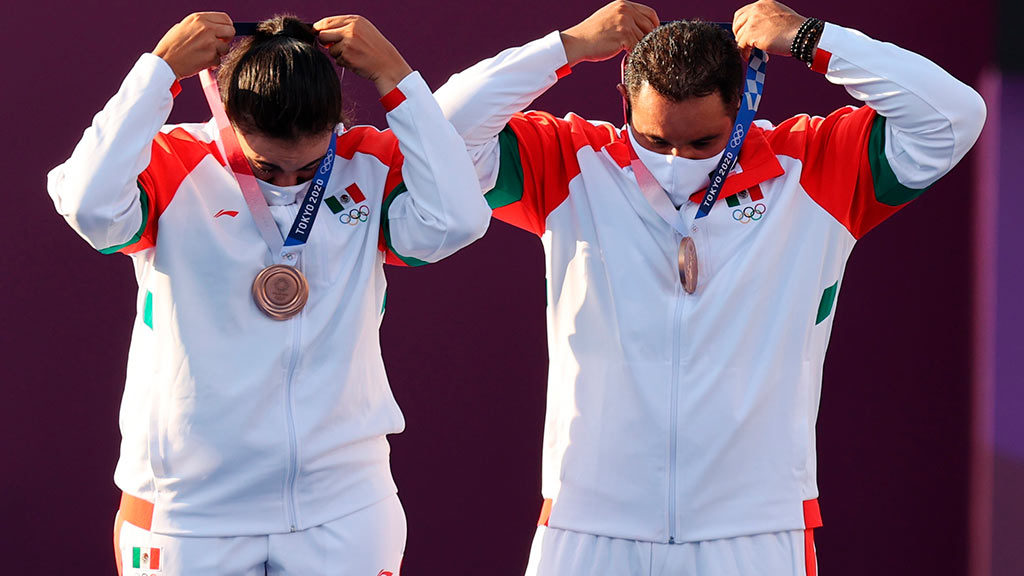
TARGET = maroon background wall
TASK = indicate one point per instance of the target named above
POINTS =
(464, 340)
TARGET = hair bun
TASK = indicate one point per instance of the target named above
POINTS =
(285, 25)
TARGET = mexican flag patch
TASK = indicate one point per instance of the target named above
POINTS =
(745, 197)
(146, 558)
(339, 203)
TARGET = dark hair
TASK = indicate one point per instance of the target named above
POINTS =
(687, 59)
(279, 83)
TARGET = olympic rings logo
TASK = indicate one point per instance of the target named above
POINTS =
(749, 213)
(354, 216)
(326, 163)
(737, 136)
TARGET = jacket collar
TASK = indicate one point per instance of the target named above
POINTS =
(757, 162)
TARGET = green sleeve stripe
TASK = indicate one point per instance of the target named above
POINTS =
(385, 224)
(509, 187)
(147, 310)
(888, 189)
(144, 201)
(828, 300)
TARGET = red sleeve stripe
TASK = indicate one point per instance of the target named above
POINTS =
(392, 99)
(175, 89)
(563, 71)
(821, 60)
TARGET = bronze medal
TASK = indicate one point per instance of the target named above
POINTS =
(280, 291)
(688, 264)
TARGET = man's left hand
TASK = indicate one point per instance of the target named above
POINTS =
(767, 25)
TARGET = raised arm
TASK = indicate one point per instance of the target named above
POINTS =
(435, 207)
(918, 122)
(523, 160)
(480, 100)
(103, 190)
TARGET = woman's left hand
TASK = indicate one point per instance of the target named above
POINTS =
(356, 44)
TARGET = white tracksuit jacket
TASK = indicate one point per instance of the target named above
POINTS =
(674, 417)
(233, 423)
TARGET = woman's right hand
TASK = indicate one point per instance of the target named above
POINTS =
(195, 43)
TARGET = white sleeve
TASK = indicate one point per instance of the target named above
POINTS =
(480, 100)
(95, 190)
(932, 119)
(443, 210)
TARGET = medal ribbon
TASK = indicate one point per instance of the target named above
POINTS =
(254, 199)
(751, 99)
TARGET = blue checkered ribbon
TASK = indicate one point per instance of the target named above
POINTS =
(754, 87)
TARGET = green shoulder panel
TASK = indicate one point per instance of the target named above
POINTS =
(385, 224)
(509, 187)
(144, 202)
(888, 189)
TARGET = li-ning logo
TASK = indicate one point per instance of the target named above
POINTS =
(749, 214)
(355, 216)
(231, 213)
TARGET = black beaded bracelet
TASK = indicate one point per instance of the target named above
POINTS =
(793, 48)
(806, 40)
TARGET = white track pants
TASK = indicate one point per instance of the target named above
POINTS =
(369, 542)
(558, 552)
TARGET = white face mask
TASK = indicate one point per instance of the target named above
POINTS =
(680, 177)
(282, 195)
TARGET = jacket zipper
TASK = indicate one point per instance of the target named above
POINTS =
(293, 463)
(674, 411)
(293, 457)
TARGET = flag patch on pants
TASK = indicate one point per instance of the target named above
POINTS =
(146, 559)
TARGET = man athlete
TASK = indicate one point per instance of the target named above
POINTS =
(679, 434)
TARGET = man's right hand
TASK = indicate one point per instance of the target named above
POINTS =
(195, 43)
(616, 27)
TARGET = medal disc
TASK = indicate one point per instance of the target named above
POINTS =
(688, 264)
(280, 291)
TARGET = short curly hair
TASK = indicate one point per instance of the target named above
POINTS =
(687, 59)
